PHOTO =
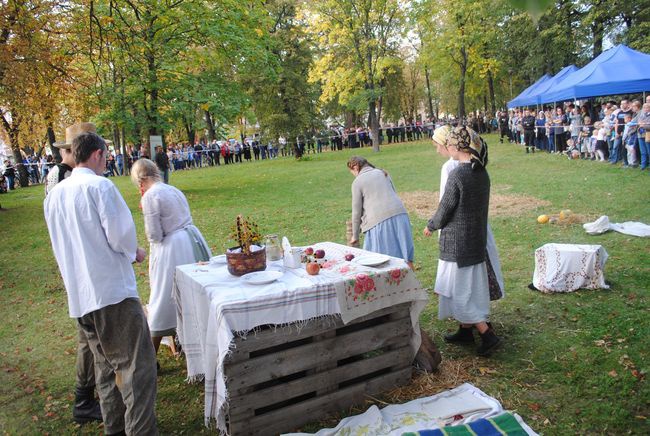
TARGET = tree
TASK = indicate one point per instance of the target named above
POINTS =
(284, 100)
(358, 37)
(32, 75)
(151, 43)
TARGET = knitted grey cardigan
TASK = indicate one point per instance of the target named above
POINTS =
(462, 216)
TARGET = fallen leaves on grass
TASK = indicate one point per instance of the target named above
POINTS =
(534, 407)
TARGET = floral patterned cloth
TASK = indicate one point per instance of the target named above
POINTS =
(362, 290)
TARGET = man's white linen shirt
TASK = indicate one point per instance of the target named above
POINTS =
(94, 241)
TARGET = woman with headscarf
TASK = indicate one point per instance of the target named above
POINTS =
(462, 278)
(378, 212)
(174, 240)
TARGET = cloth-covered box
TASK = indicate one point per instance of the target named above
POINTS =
(567, 267)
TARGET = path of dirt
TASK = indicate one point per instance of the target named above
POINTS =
(424, 203)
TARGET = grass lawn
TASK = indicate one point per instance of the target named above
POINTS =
(570, 364)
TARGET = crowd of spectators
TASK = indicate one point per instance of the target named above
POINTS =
(609, 132)
(614, 132)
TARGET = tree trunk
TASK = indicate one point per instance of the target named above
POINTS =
(51, 139)
(151, 85)
(374, 125)
(429, 97)
(380, 107)
(351, 119)
(189, 130)
(210, 124)
(493, 101)
(461, 88)
(116, 137)
(23, 176)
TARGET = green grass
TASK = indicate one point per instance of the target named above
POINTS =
(551, 369)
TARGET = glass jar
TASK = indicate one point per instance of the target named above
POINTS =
(273, 247)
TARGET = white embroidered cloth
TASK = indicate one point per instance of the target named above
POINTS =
(568, 267)
(213, 306)
(457, 406)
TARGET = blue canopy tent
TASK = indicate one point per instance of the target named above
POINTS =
(537, 96)
(619, 70)
(525, 94)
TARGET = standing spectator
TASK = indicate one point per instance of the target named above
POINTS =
(618, 151)
(247, 150)
(215, 151)
(94, 243)
(10, 175)
(232, 150)
(119, 162)
(559, 122)
(196, 155)
(162, 162)
(43, 167)
(602, 151)
(110, 164)
(540, 133)
(643, 120)
(528, 124)
(225, 151)
(630, 141)
(575, 122)
(503, 126)
(587, 146)
(238, 150)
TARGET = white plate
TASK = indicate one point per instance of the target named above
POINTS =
(218, 260)
(371, 259)
(261, 277)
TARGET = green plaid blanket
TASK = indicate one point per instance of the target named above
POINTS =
(504, 424)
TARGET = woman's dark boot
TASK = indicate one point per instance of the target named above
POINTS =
(464, 335)
(86, 408)
(489, 341)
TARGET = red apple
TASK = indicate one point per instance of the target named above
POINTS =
(312, 268)
(319, 254)
(309, 251)
(349, 257)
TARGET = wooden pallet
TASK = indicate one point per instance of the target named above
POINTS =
(280, 379)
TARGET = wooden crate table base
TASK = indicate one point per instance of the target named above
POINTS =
(331, 354)
(280, 379)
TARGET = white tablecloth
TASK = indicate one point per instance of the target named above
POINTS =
(213, 306)
(568, 267)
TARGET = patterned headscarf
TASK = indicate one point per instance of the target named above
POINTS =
(466, 139)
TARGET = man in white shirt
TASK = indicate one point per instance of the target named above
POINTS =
(86, 408)
(94, 243)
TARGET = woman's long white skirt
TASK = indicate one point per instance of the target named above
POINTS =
(177, 248)
(464, 292)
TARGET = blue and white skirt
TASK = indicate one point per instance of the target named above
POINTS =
(392, 237)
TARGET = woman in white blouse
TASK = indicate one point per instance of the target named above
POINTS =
(173, 239)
